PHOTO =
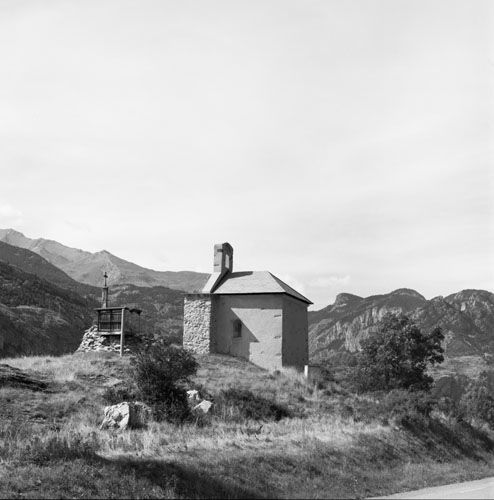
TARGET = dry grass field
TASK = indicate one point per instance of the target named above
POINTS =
(325, 446)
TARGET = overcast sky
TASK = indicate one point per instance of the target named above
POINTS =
(344, 145)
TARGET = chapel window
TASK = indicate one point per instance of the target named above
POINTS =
(237, 329)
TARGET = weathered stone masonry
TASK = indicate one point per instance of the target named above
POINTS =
(92, 340)
(198, 325)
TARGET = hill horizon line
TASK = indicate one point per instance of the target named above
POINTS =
(38, 245)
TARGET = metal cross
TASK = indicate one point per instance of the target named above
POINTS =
(105, 276)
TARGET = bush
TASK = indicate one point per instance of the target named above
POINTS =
(340, 359)
(404, 404)
(119, 393)
(161, 372)
(242, 404)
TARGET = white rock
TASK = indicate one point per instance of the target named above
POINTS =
(193, 396)
(204, 406)
(116, 417)
(125, 415)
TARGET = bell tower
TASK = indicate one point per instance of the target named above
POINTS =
(223, 258)
(222, 265)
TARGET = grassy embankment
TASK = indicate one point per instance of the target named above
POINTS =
(329, 447)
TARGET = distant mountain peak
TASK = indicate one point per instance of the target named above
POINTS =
(11, 231)
(408, 292)
(438, 298)
(342, 299)
(8, 234)
(469, 293)
(103, 254)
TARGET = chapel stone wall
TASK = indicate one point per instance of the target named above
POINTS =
(198, 309)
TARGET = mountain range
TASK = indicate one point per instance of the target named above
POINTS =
(88, 268)
(32, 263)
(466, 318)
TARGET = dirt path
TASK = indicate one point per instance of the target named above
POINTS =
(482, 488)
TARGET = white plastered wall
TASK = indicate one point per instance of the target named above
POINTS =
(262, 320)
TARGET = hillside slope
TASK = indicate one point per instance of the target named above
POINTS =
(162, 308)
(467, 320)
(88, 268)
(30, 262)
(324, 444)
(37, 317)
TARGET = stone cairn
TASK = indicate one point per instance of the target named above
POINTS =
(93, 341)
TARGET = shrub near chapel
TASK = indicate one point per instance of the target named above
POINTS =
(161, 373)
(397, 356)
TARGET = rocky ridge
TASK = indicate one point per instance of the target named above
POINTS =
(466, 317)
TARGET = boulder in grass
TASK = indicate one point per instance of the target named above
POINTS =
(126, 415)
(203, 406)
(116, 417)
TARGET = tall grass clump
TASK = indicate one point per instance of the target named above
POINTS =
(69, 367)
(238, 405)
(23, 443)
(398, 405)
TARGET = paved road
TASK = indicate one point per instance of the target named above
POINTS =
(483, 488)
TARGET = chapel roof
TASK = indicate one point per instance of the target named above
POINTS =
(254, 282)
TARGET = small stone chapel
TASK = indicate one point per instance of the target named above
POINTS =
(250, 314)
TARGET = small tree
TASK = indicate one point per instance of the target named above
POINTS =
(397, 356)
(478, 400)
(161, 373)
